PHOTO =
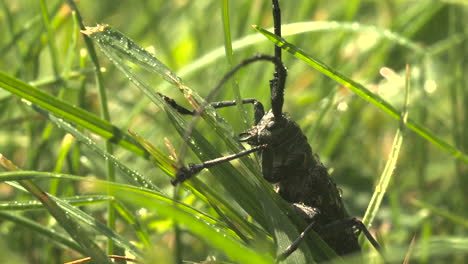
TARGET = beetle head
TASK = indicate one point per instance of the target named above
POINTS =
(269, 131)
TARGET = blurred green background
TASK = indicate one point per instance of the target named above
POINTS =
(371, 42)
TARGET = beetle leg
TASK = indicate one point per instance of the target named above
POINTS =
(185, 173)
(258, 107)
(308, 213)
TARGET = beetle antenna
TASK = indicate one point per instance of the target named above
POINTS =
(278, 82)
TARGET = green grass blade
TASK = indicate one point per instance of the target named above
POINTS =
(162, 161)
(69, 112)
(386, 176)
(162, 198)
(364, 93)
(120, 49)
(65, 146)
(230, 58)
(114, 43)
(297, 29)
(78, 200)
(50, 38)
(99, 227)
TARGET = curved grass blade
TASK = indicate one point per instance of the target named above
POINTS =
(70, 113)
(63, 218)
(302, 28)
(68, 215)
(162, 198)
(158, 201)
(363, 92)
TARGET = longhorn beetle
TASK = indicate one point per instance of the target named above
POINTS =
(286, 160)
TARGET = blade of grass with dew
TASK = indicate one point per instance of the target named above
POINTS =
(78, 200)
(158, 156)
(69, 112)
(62, 217)
(158, 201)
(99, 227)
(132, 175)
(364, 93)
(162, 161)
(53, 236)
(39, 175)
